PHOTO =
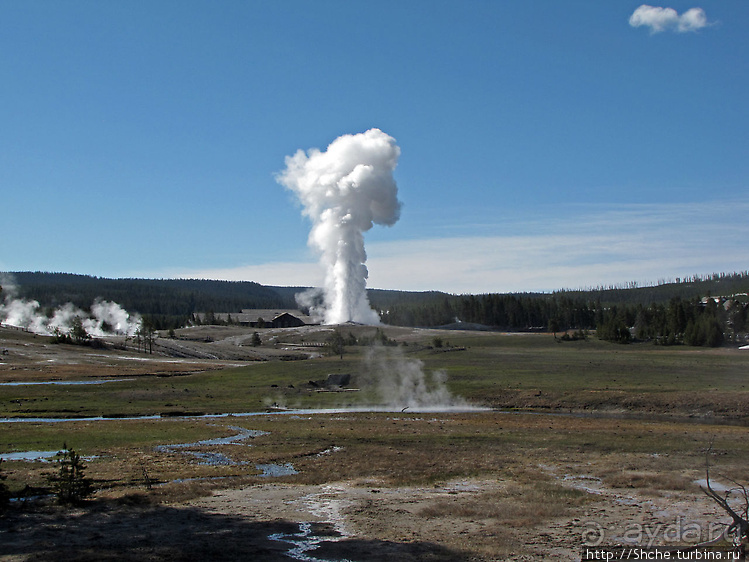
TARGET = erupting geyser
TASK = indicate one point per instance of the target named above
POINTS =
(345, 191)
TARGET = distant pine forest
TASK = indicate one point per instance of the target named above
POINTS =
(699, 311)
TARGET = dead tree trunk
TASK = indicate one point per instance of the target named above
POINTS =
(739, 528)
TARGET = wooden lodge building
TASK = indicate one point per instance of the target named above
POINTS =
(260, 318)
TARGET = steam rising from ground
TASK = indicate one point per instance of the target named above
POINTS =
(105, 317)
(345, 191)
(401, 382)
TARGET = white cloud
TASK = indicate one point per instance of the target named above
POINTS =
(600, 246)
(692, 20)
(667, 19)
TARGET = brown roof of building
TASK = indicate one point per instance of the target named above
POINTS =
(268, 314)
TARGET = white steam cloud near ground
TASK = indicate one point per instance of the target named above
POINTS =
(667, 19)
(402, 383)
(345, 191)
(104, 318)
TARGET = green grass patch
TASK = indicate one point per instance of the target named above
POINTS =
(510, 371)
(522, 372)
(97, 437)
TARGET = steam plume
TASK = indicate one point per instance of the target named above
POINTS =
(345, 191)
(401, 382)
(105, 318)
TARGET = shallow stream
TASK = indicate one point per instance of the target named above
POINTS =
(298, 412)
(209, 457)
(328, 505)
(62, 383)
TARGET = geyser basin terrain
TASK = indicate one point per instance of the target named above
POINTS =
(417, 480)
(484, 482)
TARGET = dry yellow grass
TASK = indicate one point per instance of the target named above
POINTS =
(654, 481)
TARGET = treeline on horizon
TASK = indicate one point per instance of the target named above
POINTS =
(668, 313)
(163, 303)
(696, 321)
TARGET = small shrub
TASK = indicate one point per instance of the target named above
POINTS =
(78, 332)
(575, 336)
(70, 484)
(4, 492)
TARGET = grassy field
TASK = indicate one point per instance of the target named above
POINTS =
(397, 449)
(534, 372)
(499, 371)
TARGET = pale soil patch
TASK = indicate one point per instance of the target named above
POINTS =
(352, 520)
(29, 358)
(447, 515)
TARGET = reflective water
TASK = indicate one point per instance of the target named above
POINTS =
(28, 455)
(274, 470)
(60, 420)
(97, 381)
(31, 499)
(329, 505)
(209, 457)
(299, 412)
(309, 538)
(32, 456)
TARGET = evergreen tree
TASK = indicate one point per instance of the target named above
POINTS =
(4, 492)
(70, 484)
(714, 337)
(78, 332)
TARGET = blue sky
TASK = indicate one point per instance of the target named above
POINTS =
(544, 144)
